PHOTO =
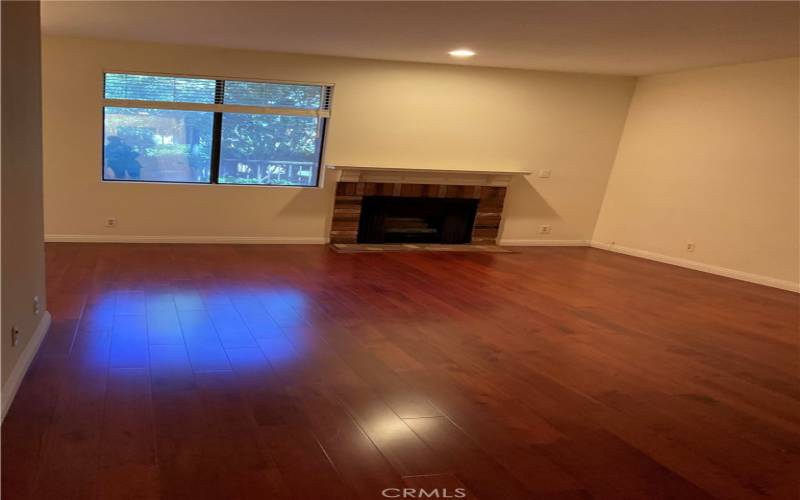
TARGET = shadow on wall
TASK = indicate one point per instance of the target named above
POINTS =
(525, 208)
(311, 205)
(523, 198)
(307, 202)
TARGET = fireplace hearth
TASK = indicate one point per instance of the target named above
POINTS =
(394, 219)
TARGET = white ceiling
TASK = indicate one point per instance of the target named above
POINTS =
(630, 38)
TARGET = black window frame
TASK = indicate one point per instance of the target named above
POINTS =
(216, 132)
(216, 135)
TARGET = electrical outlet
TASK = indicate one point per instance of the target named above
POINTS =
(14, 336)
(544, 173)
(690, 246)
(111, 222)
(545, 229)
(37, 307)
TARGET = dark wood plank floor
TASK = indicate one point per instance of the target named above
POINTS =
(272, 372)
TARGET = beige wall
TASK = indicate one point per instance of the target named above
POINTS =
(384, 113)
(711, 156)
(22, 249)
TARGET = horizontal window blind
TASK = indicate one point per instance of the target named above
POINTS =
(159, 88)
(273, 95)
(205, 94)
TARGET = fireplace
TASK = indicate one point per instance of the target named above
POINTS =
(415, 212)
(441, 205)
(394, 219)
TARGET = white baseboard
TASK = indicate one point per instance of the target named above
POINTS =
(542, 243)
(24, 361)
(237, 240)
(698, 266)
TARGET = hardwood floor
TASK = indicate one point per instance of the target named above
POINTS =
(272, 372)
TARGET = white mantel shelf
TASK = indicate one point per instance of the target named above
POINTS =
(411, 175)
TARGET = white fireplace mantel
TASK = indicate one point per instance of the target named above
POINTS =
(411, 175)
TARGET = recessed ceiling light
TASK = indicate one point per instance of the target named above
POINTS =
(462, 53)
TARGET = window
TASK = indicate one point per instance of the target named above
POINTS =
(165, 145)
(200, 130)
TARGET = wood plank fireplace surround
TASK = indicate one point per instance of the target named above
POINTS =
(412, 205)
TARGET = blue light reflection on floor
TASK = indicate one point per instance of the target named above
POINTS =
(114, 328)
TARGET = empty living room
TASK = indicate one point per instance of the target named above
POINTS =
(361, 250)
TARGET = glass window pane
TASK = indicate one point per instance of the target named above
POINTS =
(269, 149)
(159, 88)
(157, 145)
(273, 95)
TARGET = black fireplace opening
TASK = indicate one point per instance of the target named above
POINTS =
(393, 219)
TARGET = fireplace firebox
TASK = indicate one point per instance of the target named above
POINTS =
(391, 219)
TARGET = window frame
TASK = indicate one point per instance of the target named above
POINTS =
(218, 108)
